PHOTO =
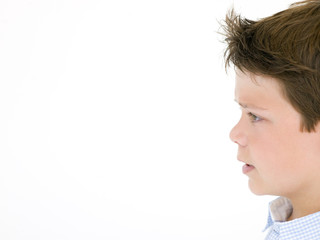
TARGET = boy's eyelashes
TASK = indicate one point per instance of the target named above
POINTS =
(254, 118)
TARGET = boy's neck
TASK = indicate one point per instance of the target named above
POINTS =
(305, 205)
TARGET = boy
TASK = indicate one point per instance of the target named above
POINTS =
(277, 64)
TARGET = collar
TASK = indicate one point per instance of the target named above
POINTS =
(307, 227)
(280, 210)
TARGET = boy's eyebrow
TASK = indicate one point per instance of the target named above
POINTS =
(252, 106)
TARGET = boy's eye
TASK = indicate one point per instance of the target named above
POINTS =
(253, 117)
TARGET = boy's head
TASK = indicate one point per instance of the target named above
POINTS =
(277, 62)
(285, 46)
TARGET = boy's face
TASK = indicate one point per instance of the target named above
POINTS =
(284, 161)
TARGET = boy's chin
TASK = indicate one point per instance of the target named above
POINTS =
(257, 189)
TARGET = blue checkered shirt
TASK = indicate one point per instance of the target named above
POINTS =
(304, 228)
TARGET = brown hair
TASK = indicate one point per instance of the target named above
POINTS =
(285, 46)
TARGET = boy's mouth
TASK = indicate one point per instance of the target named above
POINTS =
(247, 168)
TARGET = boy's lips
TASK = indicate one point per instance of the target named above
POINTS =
(246, 168)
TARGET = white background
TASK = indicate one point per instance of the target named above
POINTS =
(114, 122)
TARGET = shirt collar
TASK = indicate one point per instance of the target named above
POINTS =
(280, 210)
(307, 227)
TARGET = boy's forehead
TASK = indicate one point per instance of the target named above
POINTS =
(257, 82)
(257, 91)
(257, 79)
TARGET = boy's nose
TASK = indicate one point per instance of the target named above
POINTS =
(237, 135)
